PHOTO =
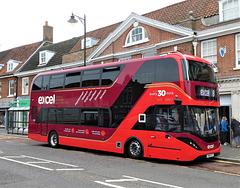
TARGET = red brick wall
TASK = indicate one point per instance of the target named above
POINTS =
(30, 78)
(5, 87)
(154, 35)
(228, 62)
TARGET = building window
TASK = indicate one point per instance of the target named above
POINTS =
(237, 50)
(136, 36)
(209, 51)
(11, 88)
(45, 56)
(12, 64)
(25, 83)
(90, 42)
(42, 58)
(229, 9)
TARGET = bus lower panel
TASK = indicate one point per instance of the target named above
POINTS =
(38, 137)
(186, 154)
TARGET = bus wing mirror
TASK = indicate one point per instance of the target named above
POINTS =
(178, 101)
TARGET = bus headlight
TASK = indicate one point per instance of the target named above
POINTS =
(190, 142)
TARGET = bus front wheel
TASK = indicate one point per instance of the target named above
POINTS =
(134, 149)
(53, 139)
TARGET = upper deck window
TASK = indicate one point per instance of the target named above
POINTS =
(56, 81)
(91, 78)
(77, 79)
(201, 72)
(160, 70)
(109, 74)
(73, 80)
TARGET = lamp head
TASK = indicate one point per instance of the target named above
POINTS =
(72, 20)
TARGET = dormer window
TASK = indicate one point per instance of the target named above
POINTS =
(45, 56)
(137, 35)
(12, 64)
(229, 9)
(90, 42)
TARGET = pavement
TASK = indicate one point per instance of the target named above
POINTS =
(228, 153)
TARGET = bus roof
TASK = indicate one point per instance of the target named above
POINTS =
(164, 55)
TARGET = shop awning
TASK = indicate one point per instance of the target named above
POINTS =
(19, 108)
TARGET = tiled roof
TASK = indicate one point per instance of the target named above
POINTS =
(100, 34)
(20, 54)
(59, 49)
(3, 54)
(179, 12)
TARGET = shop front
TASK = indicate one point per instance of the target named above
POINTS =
(18, 117)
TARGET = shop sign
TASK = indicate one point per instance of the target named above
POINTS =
(24, 103)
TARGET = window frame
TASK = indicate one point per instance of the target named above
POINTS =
(25, 83)
(45, 56)
(42, 58)
(130, 36)
(237, 40)
(222, 11)
(10, 88)
(206, 56)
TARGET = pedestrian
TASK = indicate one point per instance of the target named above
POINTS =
(224, 130)
(236, 131)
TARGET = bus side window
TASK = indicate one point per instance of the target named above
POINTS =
(42, 116)
(55, 115)
(37, 85)
(150, 121)
(104, 118)
(56, 81)
(109, 74)
(45, 84)
(71, 116)
(91, 78)
(73, 80)
(89, 117)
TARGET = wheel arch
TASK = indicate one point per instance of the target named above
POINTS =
(49, 137)
(128, 141)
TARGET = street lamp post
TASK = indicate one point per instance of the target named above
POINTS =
(83, 21)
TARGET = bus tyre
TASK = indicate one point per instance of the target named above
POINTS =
(134, 149)
(53, 139)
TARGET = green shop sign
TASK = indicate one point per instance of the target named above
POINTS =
(24, 103)
(20, 103)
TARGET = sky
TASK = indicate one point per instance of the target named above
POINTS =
(21, 21)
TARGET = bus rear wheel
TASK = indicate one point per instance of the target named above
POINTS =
(53, 140)
(134, 149)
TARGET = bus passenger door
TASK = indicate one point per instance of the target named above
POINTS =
(160, 143)
(44, 122)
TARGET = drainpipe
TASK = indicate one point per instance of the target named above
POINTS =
(195, 43)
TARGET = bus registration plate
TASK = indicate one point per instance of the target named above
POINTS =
(210, 155)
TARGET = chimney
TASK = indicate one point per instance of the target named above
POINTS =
(47, 33)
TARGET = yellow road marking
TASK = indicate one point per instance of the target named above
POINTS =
(227, 173)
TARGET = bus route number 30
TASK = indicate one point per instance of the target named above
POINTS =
(161, 93)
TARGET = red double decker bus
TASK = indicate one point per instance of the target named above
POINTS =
(162, 107)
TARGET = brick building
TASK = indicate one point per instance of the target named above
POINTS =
(207, 28)
(10, 62)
